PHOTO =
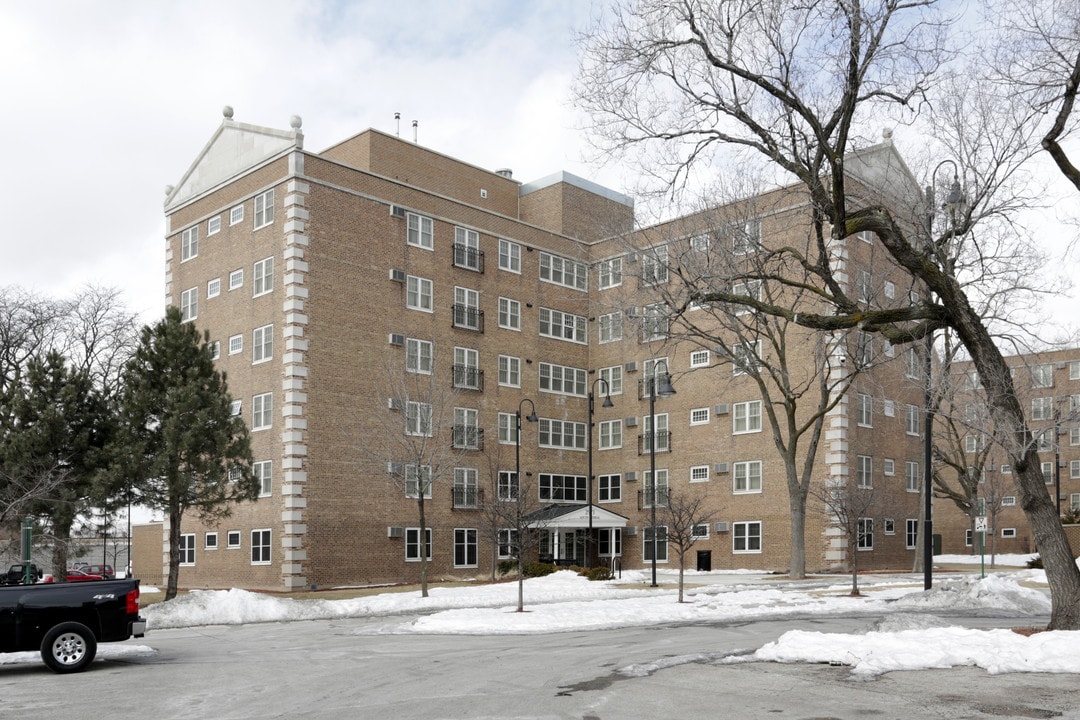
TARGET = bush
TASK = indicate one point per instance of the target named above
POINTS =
(597, 573)
(507, 566)
(538, 569)
(1035, 563)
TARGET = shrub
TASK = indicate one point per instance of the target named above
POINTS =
(507, 566)
(1035, 563)
(538, 569)
(597, 573)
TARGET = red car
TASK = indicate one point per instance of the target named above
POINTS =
(105, 571)
(82, 576)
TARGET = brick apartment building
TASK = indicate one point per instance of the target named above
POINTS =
(316, 272)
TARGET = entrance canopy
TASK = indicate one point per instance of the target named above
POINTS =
(573, 516)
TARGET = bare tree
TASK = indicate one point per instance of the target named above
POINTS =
(685, 513)
(856, 507)
(792, 86)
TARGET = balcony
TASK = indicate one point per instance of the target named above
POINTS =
(468, 437)
(468, 317)
(467, 497)
(663, 442)
(468, 377)
(469, 258)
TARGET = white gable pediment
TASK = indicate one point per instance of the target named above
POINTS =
(234, 148)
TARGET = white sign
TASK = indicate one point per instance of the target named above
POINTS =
(980, 524)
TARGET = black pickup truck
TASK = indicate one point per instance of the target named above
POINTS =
(66, 621)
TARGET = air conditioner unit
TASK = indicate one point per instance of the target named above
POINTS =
(397, 275)
(721, 409)
(396, 339)
(630, 530)
(630, 366)
(720, 527)
(631, 476)
(631, 258)
(395, 532)
(393, 403)
(397, 211)
(631, 421)
(395, 468)
(719, 468)
(1061, 365)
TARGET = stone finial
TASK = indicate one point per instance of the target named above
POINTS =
(227, 111)
(295, 122)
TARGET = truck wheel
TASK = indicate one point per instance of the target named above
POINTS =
(69, 647)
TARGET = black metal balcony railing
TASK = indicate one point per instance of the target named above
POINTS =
(645, 498)
(467, 497)
(468, 437)
(468, 377)
(663, 442)
(468, 317)
(646, 383)
(468, 257)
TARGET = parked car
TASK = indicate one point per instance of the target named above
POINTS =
(105, 571)
(16, 574)
(76, 575)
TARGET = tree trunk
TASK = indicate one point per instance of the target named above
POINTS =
(174, 553)
(798, 536)
(423, 541)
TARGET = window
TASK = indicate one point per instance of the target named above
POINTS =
(1074, 436)
(663, 437)
(213, 288)
(1074, 370)
(563, 326)
(466, 489)
(864, 529)
(911, 533)
(236, 344)
(467, 249)
(563, 271)
(912, 423)
(262, 344)
(610, 434)
(418, 293)
(699, 358)
(746, 417)
(1044, 440)
(888, 467)
(210, 541)
(261, 408)
(745, 357)
(746, 237)
(864, 471)
(420, 231)
(888, 348)
(609, 488)
(467, 372)
(911, 476)
(509, 371)
(260, 547)
(417, 476)
(187, 549)
(746, 477)
(889, 408)
(1042, 376)
(967, 538)
(1074, 501)
(654, 322)
(232, 539)
(699, 416)
(613, 377)
(746, 537)
(1009, 501)
(659, 542)
(264, 209)
(236, 279)
(189, 304)
(568, 488)
(609, 542)
(234, 407)
(700, 243)
(610, 327)
(890, 289)
(236, 215)
(610, 272)
(1074, 469)
(1008, 532)
(1006, 470)
(467, 312)
(508, 543)
(509, 314)
(563, 380)
(264, 473)
(654, 268)
(418, 356)
(863, 286)
(412, 544)
(263, 277)
(562, 434)
(864, 410)
(1042, 408)
(464, 547)
(509, 256)
(467, 433)
(657, 494)
(699, 473)
(215, 350)
(418, 419)
(508, 485)
(700, 531)
(890, 526)
(750, 289)
(974, 443)
(508, 428)
(912, 364)
(189, 243)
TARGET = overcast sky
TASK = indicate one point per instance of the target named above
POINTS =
(107, 102)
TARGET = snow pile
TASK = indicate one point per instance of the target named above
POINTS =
(998, 594)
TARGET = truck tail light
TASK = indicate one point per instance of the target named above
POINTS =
(133, 602)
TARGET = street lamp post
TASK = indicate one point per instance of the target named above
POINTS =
(952, 204)
(589, 490)
(531, 417)
(665, 390)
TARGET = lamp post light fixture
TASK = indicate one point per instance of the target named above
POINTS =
(589, 490)
(531, 417)
(665, 390)
(953, 204)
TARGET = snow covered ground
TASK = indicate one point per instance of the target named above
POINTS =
(909, 635)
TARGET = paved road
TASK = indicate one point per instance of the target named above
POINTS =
(352, 669)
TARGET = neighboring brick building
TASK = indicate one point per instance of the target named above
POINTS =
(317, 271)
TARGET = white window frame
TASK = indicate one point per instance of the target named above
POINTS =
(264, 473)
(189, 244)
(864, 533)
(264, 209)
(700, 416)
(864, 410)
(613, 379)
(609, 327)
(563, 271)
(888, 467)
(419, 231)
(700, 358)
(213, 226)
(187, 549)
(912, 476)
(507, 428)
(262, 274)
(912, 420)
(746, 477)
(609, 273)
(233, 540)
(1042, 408)
(236, 215)
(563, 326)
(1042, 376)
(654, 266)
(467, 308)
(563, 380)
(509, 371)
(236, 279)
(419, 293)
(746, 533)
(561, 434)
(745, 236)
(661, 544)
(418, 418)
(610, 434)
(262, 409)
(911, 533)
(466, 249)
(412, 544)
(215, 350)
(210, 541)
(189, 304)
(262, 344)
(509, 314)
(509, 256)
(560, 487)
(864, 472)
(699, 473)
(414, 481)
(466, 548)
(663, 434)
(213, 288)
(236, 344)
(609, 488)
(419, 356)
(1008, 533)
(261, 546)
(746, 417)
